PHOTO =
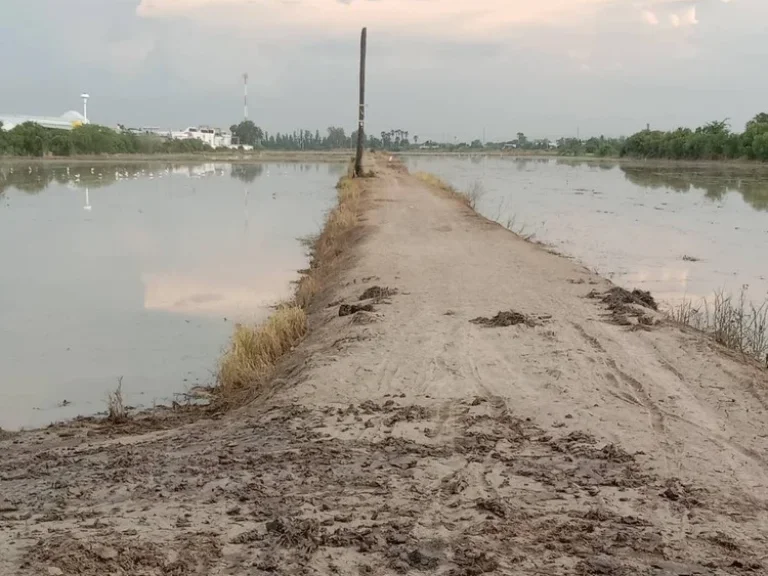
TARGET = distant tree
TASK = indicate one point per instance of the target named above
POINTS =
(476, 144)
(337, 138)
(522, 141)
(29, 139)
(761, 118)
(247, 133)
(713, 140)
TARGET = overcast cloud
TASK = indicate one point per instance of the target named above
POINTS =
(437, 68)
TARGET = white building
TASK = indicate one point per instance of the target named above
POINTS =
(66, 121)
(214, 137)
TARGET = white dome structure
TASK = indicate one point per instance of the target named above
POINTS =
(66, 121)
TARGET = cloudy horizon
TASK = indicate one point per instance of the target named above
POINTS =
(442, 69)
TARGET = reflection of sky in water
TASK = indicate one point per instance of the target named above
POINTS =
(634, 224)
(144, 278)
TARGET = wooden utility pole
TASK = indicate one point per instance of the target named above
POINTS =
(361, 113)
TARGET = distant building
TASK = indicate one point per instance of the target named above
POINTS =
(66, 121)
(214, 137)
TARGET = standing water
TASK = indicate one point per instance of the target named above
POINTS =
(680, 232)
(139, 272)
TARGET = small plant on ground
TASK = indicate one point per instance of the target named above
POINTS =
(116, 411)
(255, 350)
(738, 325)
(474, 194)
(470, 197)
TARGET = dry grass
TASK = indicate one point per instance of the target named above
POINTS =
(254, 351)
(116, 410)
(470, 197)
(736, 324)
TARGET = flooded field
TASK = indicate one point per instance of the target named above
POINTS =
(681, 232)
(139, 272)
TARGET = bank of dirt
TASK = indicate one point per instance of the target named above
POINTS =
(543, 438)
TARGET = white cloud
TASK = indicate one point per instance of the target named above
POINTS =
(684, 19)
(689, 17)
(441, 17)
(650, 18)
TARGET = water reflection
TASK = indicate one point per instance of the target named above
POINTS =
(716, 183)
(139, 271)
(714, 180)
(34, 178)
(247, 172)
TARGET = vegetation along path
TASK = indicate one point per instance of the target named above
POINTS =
(492, 408)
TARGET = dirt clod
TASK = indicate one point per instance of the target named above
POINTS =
(377, 293)
(504, 319)
(617, 297)
(349, 309)
(105, 552)
(417, 559)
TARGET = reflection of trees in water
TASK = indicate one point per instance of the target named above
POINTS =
(716, 182)
(336, 169)
(581, 163)
(246, 172)
(35, 178)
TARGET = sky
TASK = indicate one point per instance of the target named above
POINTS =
(440, 69)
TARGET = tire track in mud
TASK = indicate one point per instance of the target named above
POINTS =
(655, 414)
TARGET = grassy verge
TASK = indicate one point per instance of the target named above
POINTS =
(254, 351)
(470, 197)
(736, 324)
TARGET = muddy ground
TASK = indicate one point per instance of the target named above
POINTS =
(543, 438)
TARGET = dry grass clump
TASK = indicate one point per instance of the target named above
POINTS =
(736, 324)
(255, 350)
(470, 197)
(116, 410)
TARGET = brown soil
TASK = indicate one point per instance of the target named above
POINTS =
(421, 444)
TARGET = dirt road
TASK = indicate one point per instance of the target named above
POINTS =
(573, 436)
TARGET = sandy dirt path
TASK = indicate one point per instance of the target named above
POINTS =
(410, 439)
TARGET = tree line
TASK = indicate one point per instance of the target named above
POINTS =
(713, 141)
(30, 139)
(334, 138)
